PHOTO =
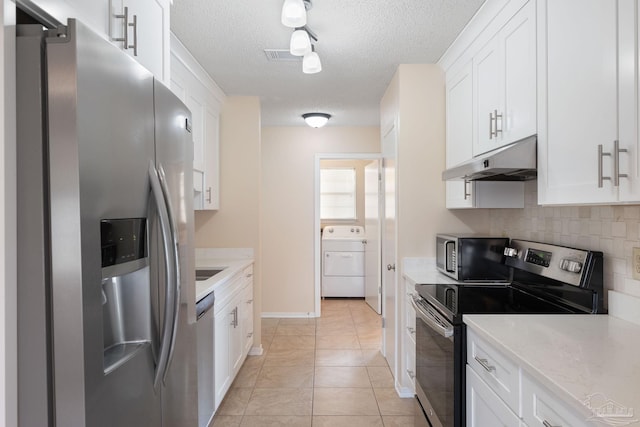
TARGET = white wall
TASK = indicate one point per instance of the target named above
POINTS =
(288, 208)
(614, 230)
(8, 304)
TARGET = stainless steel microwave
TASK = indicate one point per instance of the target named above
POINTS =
(472, 258)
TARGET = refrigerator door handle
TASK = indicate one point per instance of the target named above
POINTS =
(176, 260)
(165, 229)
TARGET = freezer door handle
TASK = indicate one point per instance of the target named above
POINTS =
(167, 323)
(176, 262)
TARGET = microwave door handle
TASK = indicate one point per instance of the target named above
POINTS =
(447, 256)
(431, 319)
(174, 256)
(165, 231)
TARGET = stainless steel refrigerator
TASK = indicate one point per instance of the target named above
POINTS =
(106, 287)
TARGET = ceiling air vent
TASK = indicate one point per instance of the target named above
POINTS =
(281, 55)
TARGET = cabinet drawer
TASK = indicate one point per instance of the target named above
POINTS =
(484, 407)
(540, 406)
(500, 373)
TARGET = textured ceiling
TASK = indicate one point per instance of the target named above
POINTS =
(361, 43)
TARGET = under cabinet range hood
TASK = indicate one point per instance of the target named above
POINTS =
(514, 162)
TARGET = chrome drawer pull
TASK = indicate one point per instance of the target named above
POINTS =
(546, 423)
(411, 330)
(411, 374)
(485, 364)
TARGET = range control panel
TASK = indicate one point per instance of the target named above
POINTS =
(556, 262)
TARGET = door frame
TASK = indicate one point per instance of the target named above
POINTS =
(316, 213)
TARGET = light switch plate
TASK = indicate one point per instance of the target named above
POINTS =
(635, 264)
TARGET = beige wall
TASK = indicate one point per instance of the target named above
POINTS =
(237, 223)
(358, 165)
(416, 99)
(288, 208)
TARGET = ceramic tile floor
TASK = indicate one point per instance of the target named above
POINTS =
(325, 372)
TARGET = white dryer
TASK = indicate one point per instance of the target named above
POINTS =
(343, 269)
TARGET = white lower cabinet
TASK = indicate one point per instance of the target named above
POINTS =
(501, 392)
(484, 407)
(540, 407)
(409, 360)
(233, 320)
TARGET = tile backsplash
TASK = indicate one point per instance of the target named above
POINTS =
(614, 230)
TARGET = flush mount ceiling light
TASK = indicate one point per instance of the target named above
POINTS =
(294, 13)
(316, 120)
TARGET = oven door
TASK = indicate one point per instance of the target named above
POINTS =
(439, 352)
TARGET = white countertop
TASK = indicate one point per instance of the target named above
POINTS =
(232, 261)
(575, 356)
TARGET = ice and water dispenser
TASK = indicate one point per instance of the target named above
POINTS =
(126, 293)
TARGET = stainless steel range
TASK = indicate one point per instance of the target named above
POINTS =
(545, 279)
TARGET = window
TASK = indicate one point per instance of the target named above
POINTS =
(338, 193)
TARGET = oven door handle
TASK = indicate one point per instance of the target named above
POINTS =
(431, 318)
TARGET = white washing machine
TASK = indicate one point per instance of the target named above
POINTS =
(343, 261)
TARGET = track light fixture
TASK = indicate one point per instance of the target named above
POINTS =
(294, 15)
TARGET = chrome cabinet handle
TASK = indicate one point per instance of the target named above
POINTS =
(601, 178)
(249, 301)
(134, 25)
(616, 163)
(546, 423)
(411, 374)
(411, 330)
(209, 195)
(491, 126)
(485, 364)
(496, 117)
(125, 22)
(391, 267)
(250, 334)
(467, 194)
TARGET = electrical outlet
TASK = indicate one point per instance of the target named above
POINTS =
(635, 264)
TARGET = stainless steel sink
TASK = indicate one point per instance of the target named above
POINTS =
(204, 274)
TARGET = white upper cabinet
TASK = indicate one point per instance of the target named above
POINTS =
(95, 14)
(202, 96)
(141, 28)
(587, 100)
(490, 89)
(504, 73)
(459, 86)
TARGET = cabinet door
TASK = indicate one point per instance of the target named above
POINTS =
(236, 341)
(487, 90)
(246, 317)
(459, 132)
(211, 160)
(484, 407)
(147, 33)
(541, 407)
(223, 325)
(518, 47)
(629, 93)
(577, 99)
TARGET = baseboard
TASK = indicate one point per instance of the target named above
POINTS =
(289, 315)
(404, 392)
(256, 351)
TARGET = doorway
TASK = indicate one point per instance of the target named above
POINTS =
(367, 215)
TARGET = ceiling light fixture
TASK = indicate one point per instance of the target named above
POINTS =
(311, 62)
(294, 13)
(316, 120)
(300, 42)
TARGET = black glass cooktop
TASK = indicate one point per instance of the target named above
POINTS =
(454, 300)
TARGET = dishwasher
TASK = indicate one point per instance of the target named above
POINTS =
(204, 312)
